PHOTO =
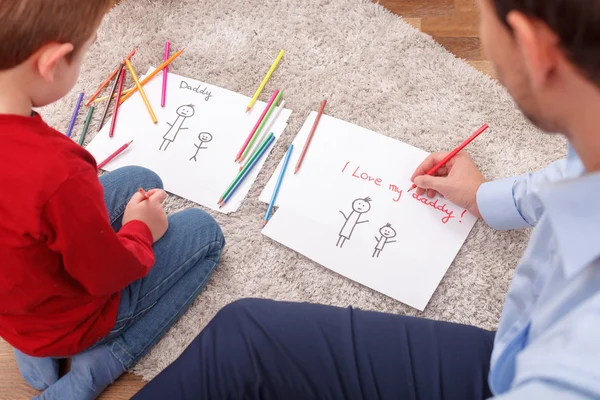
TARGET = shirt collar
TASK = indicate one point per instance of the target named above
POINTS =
(573, 209)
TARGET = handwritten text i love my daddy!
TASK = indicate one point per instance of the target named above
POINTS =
(357, 172)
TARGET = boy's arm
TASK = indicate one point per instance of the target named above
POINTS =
(76, 226)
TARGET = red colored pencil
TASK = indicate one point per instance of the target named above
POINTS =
(453, 153)
(107, 81)
(310, 136)
(144, 193)
(116, 109)
(273, 97)
(113, 155)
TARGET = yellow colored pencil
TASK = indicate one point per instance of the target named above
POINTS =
(264, 82)
(141, 90)
(152, 74)
(104, 98)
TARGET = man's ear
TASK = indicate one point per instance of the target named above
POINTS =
(538, 44)
(47, 58)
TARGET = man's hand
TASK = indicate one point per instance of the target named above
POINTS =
(149, 211)
(458, 180)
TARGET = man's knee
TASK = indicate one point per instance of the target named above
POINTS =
(240, 311)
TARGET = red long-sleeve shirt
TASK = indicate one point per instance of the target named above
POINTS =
(62, 267)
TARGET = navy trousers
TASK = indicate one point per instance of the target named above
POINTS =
(262, 349)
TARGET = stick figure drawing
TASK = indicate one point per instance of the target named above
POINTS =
(359, 207)
(387, 233)
(183, 113)
(204, 137)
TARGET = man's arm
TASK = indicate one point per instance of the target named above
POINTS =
(76, 226)
(514, 203)
(510, 203)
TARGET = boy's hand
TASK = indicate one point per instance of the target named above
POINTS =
(149, 211)
(458, 180)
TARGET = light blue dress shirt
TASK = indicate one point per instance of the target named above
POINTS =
(548, 340)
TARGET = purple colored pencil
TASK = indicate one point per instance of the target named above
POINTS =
(74, 117)
(163, 99)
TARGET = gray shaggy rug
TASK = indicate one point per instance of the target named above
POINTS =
(377, 72)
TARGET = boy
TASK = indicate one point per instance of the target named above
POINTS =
(89, 269)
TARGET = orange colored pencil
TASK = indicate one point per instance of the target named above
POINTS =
(107, 81)
(310, 136)
(152, 75)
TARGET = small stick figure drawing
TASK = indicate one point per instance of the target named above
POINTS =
(204, 137)
(183, 113)
(359, 207)
(387, 233)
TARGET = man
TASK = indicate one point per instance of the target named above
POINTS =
(547, 53)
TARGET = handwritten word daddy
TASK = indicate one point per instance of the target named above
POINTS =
(198, 89)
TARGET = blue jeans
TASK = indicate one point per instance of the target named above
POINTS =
(262, 349)
(186, 256)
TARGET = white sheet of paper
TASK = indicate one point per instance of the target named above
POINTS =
(320, 217)
(217, 122)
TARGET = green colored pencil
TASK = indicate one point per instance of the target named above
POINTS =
(267, 131)
(241, 173)
(86, 126)
(262, 125)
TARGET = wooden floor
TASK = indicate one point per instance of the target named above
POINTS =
(453, 23)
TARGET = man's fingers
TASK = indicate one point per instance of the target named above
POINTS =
(443, 171)
(427, 164)
(435, 183)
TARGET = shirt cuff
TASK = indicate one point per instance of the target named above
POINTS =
(497, 206)
(138, 228)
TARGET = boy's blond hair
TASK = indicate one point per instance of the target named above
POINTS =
(28, 25)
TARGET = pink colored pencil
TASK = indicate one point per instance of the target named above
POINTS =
(113, 121)
(163, 99)
(273, 97)
(113, 155)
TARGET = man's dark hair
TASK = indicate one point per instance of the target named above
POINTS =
(576, 22)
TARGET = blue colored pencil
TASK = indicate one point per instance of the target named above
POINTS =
(74, 117)
(247, 171)
(279, 180)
